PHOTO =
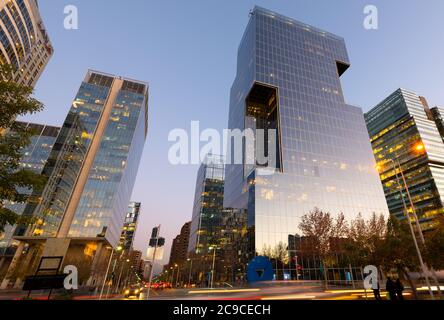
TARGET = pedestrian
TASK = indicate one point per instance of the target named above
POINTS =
(399, 288)
(376, 292)
(390, 288)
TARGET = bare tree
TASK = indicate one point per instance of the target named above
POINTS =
(321, 228)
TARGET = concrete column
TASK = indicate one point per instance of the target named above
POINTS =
(12, 266)
(28, 262)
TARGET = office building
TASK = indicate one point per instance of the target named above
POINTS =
(34, 158)
(24, 42)
(288, 81)
(208, 205)
(213, 227)
(179, 247)
(405, 133)
(130, 226)
(91, 172)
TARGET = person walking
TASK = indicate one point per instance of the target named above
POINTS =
(399, 288)
(376, 292)
(390, 288)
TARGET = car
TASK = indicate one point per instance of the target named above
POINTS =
(132, 292)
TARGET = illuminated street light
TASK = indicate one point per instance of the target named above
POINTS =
(419, 146)
(397, 166)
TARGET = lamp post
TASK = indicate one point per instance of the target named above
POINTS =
(397, 166)
(177, 277)
(172, 275)
(106, 273)
(296, 261)
(419, 147)
(214, 248)
(189, 274)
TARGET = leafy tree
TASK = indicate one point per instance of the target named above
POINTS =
(15, 100)
(435, 245)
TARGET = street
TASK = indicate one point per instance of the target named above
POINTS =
(289, 290)
(285, 290)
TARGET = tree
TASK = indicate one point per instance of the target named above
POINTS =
(322, 229)
(365, 237)
(15, 100)
(434, 241)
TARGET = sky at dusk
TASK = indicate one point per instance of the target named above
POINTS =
(186, 50)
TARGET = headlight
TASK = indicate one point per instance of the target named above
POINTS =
(137, 291)
(126, 291)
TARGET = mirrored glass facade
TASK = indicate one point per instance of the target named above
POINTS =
(405, 133)
(208, 206)
(324, 155)
(34, 158)
(93, 165)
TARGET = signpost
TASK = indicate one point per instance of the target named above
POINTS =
(50, 280)
(155, 242)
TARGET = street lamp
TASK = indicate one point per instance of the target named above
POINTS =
(106, 273)
(189, 275)
(177, 277)
(396, 165)
(172, 275)
(214, 248)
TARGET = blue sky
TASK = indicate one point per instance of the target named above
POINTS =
(186, 50)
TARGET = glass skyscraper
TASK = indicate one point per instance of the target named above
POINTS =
(212, 225)
(288, 80)
(404, 130)
(208, 206)
(91, 172)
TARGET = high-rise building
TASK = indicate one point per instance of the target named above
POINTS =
(234, 246)
(405, 133)
(288, 81)
(130, 226)
(179, 247)
(208, 205)
(438, 116)
(135, 259)
(24, 43)
(210, 236)
(91, 172)
(34, 158)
